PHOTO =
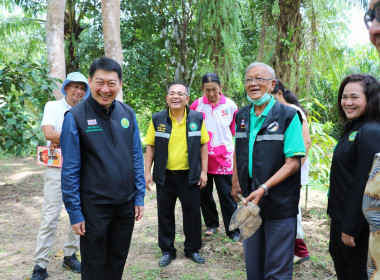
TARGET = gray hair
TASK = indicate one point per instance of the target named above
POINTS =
(254, 64)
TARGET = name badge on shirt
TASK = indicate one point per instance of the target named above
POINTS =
(93, 126)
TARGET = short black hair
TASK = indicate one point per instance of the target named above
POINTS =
(210, 78)
(107, 64)
(179, 83)
(371, 89)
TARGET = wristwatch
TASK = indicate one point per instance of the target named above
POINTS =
(265, 188)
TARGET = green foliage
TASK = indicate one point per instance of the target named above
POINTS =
(363, 59)
(322, 144)
(164, 40)
(21, 37)
(320, 154)
(24, 89)
(29, 7)
(322, 104)
(322, 95)
(220, 26)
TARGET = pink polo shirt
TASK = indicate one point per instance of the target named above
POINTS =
(220, 124)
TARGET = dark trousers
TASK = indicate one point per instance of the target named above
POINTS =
(105, 245)
(176, 185)
(350, 262)
(269, 252)
(227, 204)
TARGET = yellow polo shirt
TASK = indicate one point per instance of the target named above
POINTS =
(177, 148)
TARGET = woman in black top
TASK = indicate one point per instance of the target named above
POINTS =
(359, 107)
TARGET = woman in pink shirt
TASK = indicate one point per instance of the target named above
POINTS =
(219, 116)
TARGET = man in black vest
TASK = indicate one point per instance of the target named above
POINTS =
(103, 183)
(269, 145)
(177, 143)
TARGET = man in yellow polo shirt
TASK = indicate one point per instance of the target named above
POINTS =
(177, 143)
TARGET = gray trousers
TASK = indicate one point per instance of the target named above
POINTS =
(269, 252)
(51, 210)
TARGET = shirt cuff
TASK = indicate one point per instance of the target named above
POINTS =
(295, 154)
(76, 217)
(139, 200)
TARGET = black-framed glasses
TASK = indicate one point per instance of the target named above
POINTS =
(370, 15)
(258, 81)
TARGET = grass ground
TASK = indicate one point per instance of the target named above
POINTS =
(21, 184)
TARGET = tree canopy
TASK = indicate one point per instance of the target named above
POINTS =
(163, 40)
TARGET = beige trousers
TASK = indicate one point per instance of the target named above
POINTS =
(51, 210)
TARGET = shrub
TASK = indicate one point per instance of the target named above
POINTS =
(25, 87)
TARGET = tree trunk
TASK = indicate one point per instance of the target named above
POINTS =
(263, 33)
(288, 42)
(181, 30)
(111, 32)
(311, 50)
(73, 30)
(55, 41)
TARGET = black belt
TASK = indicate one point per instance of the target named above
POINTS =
(177, 172)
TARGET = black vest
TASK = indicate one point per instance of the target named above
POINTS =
(163, 127)
(268, 157)
(106, 143)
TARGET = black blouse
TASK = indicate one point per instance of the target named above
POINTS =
(350, 168)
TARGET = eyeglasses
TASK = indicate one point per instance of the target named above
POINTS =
(179, 93)
(258, 81)
(370, 15)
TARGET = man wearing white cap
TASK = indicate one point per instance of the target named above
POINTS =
(74, 88)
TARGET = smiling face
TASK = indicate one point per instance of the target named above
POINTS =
(374, 30)
(75, 92)
(255, 90)
(354, 101)
(43, 157)
(212, 92)
(104, 87)
(177, 97)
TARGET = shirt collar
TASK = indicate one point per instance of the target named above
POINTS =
(267, 108)
(173, 119)
(221, 101)
(101, 108)
(67, 105)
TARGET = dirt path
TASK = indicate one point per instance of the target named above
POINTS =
(21, 183)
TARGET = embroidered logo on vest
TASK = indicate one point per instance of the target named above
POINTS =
(93, 126)
(193, 126)
(161, 128)
(273, 126)
(242, 124)
(352, 136)
(124, 122)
